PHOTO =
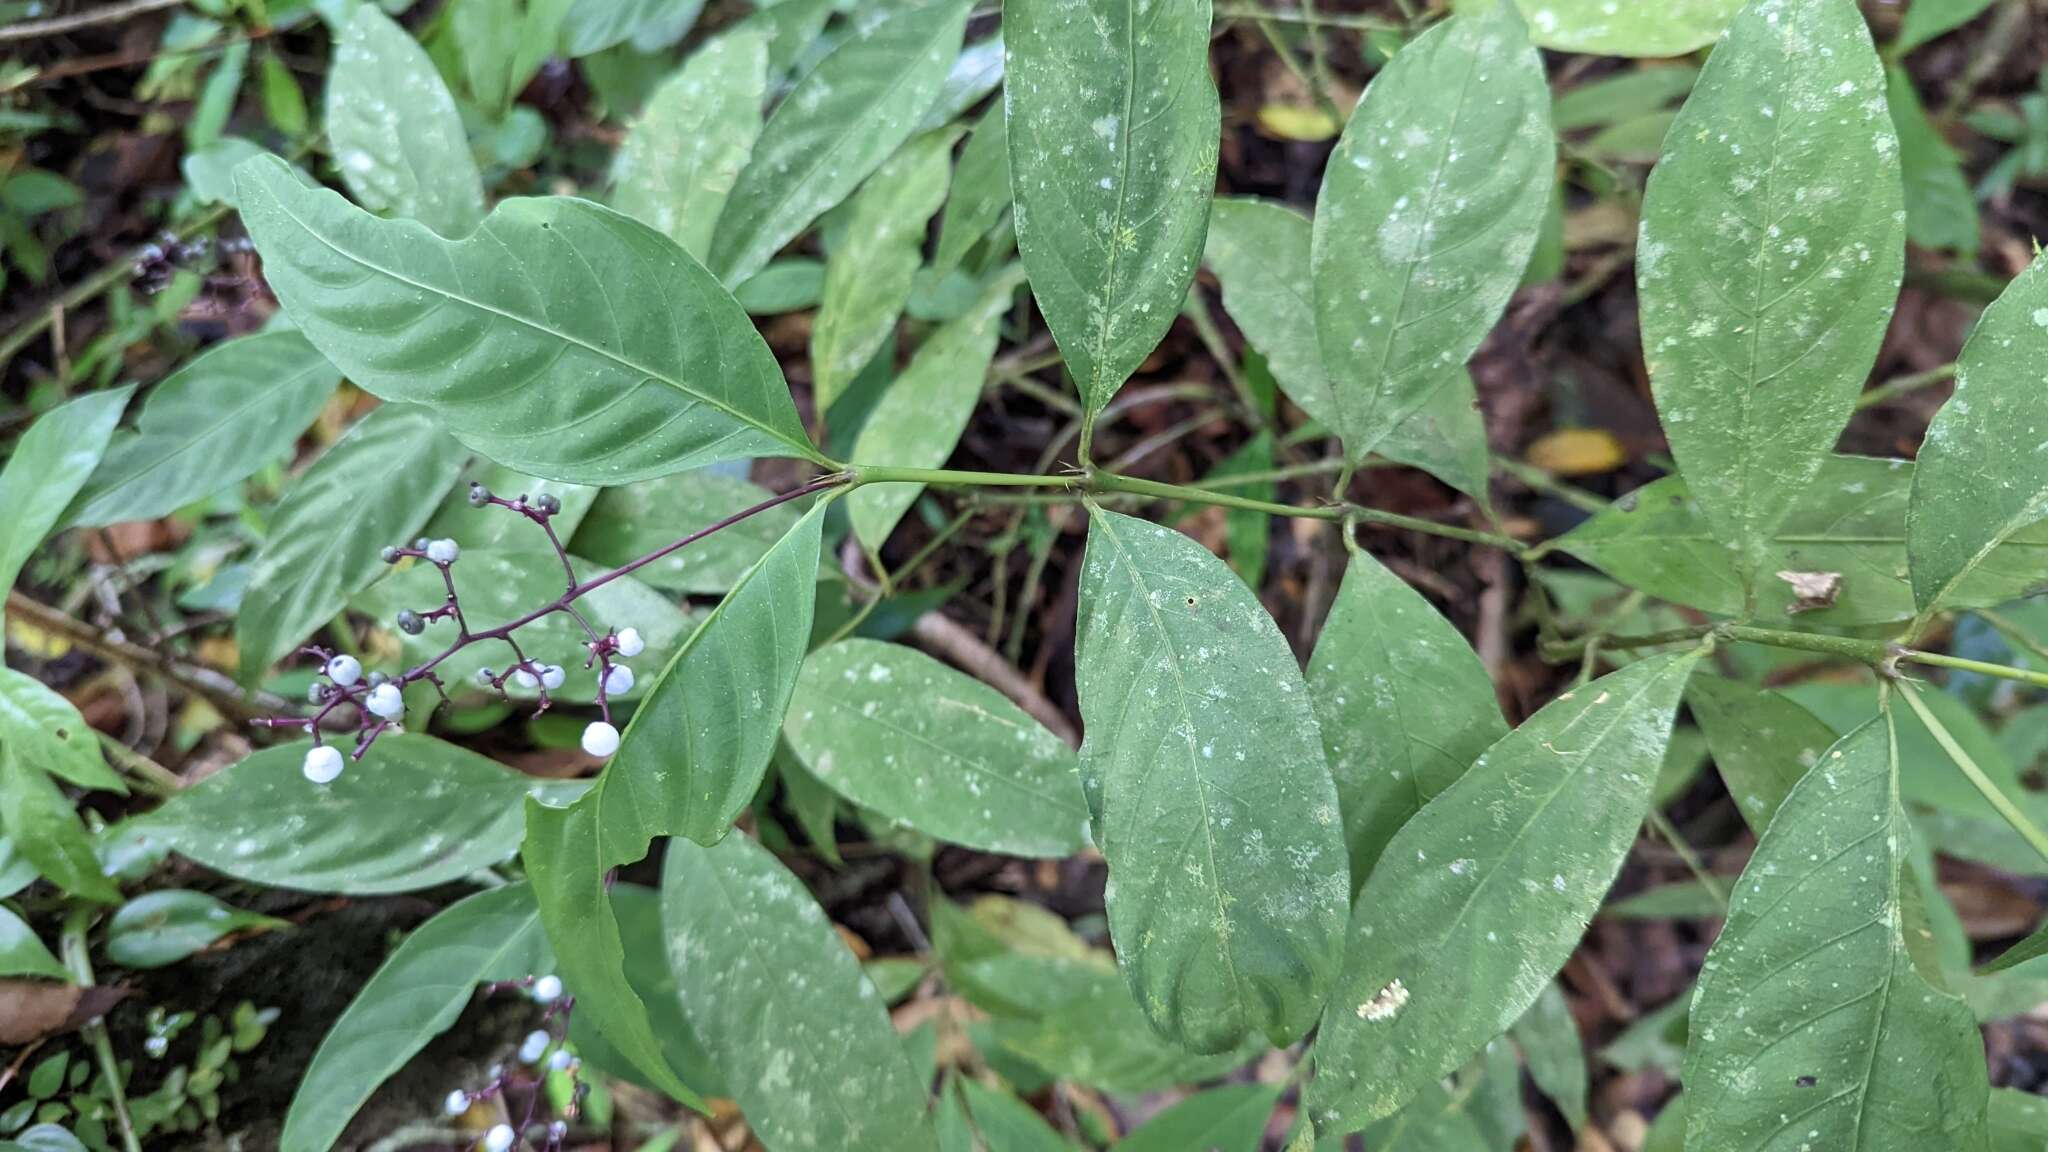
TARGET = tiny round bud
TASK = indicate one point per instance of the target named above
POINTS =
(457, 1103)
(484, 676)
(479, 495)
(409, 622)
(385, 702)
(390, 554)
(443, 551)
(618, 680)
(316, 693)
(600, 739)
(535, 1046)
(560, 1060)
(525, 679)
(557, 1130)
(547, 989)
(344, 670)
(548, 504)
(552, 677)
(323, 764)
(419, 544)
(499, 1138)
(629, 642)
(377, 678)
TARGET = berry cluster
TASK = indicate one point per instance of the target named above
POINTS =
(544, 1050)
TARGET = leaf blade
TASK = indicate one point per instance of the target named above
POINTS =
(683, 155)
(398, 139)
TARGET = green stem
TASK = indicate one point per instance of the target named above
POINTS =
(1269, 475)
(1326, 20)
(1197, 311)
(2020, 821)
(149, 775)
(1873, 652)
(79, 963)
(1690, 859)
(1997, 671)
(1549, 485)
(1900, 385)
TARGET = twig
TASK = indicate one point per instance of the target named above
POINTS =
(57, 25)
(226, 697)
(152, 776)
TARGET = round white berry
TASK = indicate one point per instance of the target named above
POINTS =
(618, 681)
(561, 1060)
(323, 764)
(385, 702)
(535, 1047)
(552, 677)
(547, 989)
(629, 642)
(600, 739)
(525, 679)
(457, 1103)
(443, 551)
(498, 1139)
(344, 670)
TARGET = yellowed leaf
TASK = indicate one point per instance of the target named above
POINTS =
(1578, 452)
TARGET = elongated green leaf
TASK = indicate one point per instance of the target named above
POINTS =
(1549, 1039)
(22, 953)
(50, 463)
(1927, 19)
(1621, 96)
(47, 730)
(1940, 210)
(503, 44)
(216, 421)
(1214, 805)
(1429, 210)
(373, 488)
(894, 730)
(681, 158)
(840, 123)
(869, 274)
(980, 192)
(1227, 1118)
(689, 761)
(45, 829)
(976, 72)
(919, 420)
(561, 339)
(1446, 438)
(1403, 703)
(397, 138)
(1681, 900)
(1113, 128)
(1091, 1031)
(779, 1004)
(1982, 476)
(1762, 743)
(638, 910)
(595, 25)
(1769, 261)
(630, 521)
(1481, 898)
(16, 872)
(160, 928)
(1926, 775)
(1813, 1015)
(1605, 28)
(415, 996)
(1851, 520)
(1432, 1122)
(1007, 1124)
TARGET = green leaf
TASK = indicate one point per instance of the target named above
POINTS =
(1926, 776)
(50, 463)
(1113, 134)
(1812, 1013)
(638, 909)
(47, 731)
(682, 156)
(415, 812)
(689, 761)
(1214, 805)
(780, 1004)
(1941, 212)
(1483, 895)
(1247, 533)
(43, 1138)
(1621, 96)
(210, 171)
(373, 488)
(1403, 703)
(1927, 19)
(415, 996)
(892, 729)
(283, 103)
(209, 426)
(163, 927)
(595, 25)
(1603, 28)
(1227, 1118)
(216, 100)
(1446, 438)
(630, 521)
(1432, 1122)
(1981, 476)
(1088, 1029)
(1852, 519)
(1769, 261)
(1681, 900)
(1762, 743)
(44, 827)
(503, 44)
(980, 193)
(919, 420)
(790, 284)
(612, 356)
(868, 276)
(839, 124)
(1549, 1039)
(2018, 1120)
(2033, 947)
(397, 138)
(16, 872)
(23, 954)
(1429, 210)
(1007, 1124)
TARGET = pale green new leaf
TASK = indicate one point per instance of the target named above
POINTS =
(783, 1008)
(50, 463)
(1550, 1044)
(1814, 1022)
(630, 521)
(561, 338)
(919, 420)
(868, 276)
(1941, 212)
(373, 488)
(1771, 247)
(1226, 1118)
(413, 813)
(160, 928)
(843, 119)
(1480, 899)
(1762, 743)
(595, 25)
(44, 827)
(1982, 473)
(1429, 210)
(1112, 126)
(503, 43)
(398, 141)
(1403, 703)
(415, 996)
(980, 193)
(22, 953)
(682, 156)
(210, 425)
(1007, 1124)
(1214, 804)
(1927, 19)
(894, 730)
(47, 729)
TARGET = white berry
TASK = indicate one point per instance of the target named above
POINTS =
(344, 670)
(385, 702)
(600, 739)
(629, 642)
(323, 764)
(547, 989)
(561, 1060)
(525, 679)
(618, 681)
(457, 1104)
(498, 1139)
(535, 1047)
(552, 677)
(443, 551)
